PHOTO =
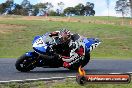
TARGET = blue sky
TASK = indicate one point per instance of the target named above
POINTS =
(100, 5)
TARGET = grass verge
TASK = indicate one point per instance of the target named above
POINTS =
(67, 83)
(16, 35)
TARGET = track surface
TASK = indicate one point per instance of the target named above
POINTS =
(8, 71)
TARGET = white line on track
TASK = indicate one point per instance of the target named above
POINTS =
(32, 80)
(47, 79)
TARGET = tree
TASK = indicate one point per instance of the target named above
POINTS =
(122, 7)
(79, 9)
(26, 4)
(40, 5)
(52, 13)
(61, 5)
(19, 10)
(42, 8)
(5, 5)
(2, 7)
(69, 10)
(89, 9)
(9, 2)
(130, 1)
(35, 11)
(49, 5)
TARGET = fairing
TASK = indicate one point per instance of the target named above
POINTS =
(39, 45)
(91, 43)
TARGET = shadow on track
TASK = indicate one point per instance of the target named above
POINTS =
(54, 71)
(66, 71)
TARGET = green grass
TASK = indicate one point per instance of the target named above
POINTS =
(116, 39)
(104, 18)
(68, 83)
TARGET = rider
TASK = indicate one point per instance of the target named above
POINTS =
(69, 46)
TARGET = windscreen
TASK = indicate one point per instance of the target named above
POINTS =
(47, 39)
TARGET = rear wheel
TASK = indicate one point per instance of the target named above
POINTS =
(24, 64)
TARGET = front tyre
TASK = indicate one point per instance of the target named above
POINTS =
(23, 64)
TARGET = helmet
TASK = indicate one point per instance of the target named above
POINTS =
(64, 35)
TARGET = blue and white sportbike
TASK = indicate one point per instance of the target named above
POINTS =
(43, 55)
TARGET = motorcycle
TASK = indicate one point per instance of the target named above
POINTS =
(44, 56)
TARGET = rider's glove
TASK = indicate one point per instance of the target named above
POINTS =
(66, 65)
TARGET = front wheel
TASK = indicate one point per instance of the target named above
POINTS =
(24, 64)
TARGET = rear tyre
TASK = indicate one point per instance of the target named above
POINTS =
(23, 64)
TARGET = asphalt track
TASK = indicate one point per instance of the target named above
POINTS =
(8, 71)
